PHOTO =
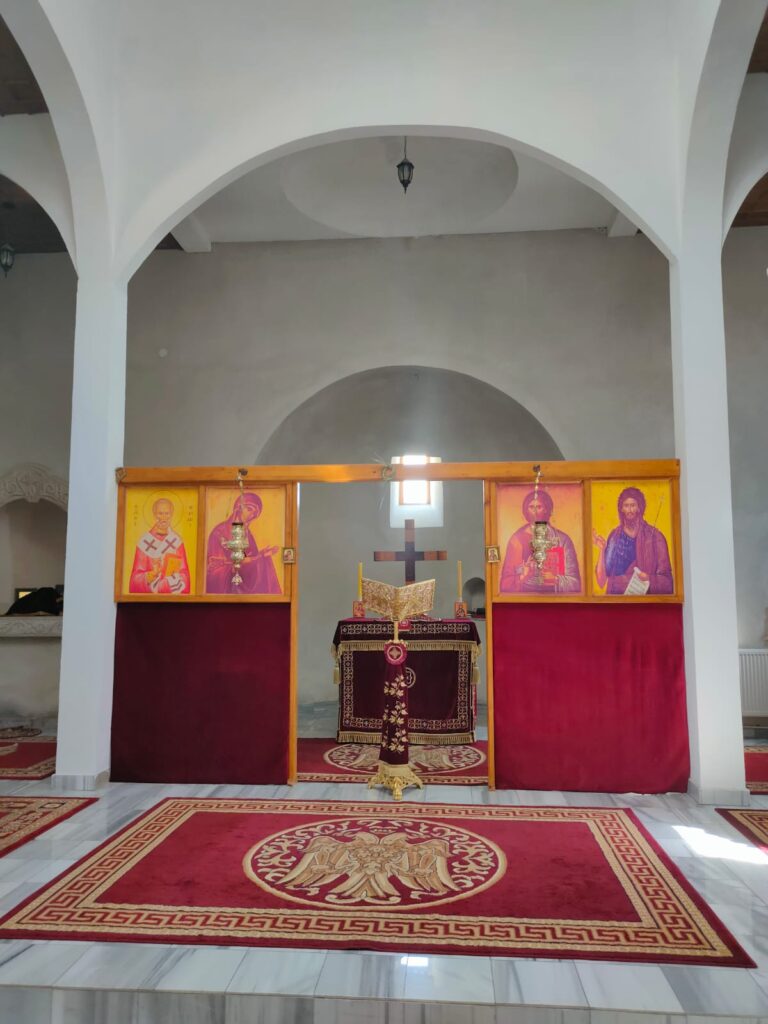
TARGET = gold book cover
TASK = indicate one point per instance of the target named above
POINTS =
(398, 603)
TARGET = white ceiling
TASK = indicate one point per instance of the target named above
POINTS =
(350, 189)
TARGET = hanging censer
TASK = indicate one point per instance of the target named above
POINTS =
(540, 540)
(238, 543)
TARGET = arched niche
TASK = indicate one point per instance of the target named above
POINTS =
(373, 415)
(33, 524)
(369, 417)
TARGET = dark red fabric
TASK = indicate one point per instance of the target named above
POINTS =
(28, 758)
(590, 698)
(435, 708)
(201, 693)
(756, 764)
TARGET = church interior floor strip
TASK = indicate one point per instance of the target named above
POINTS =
(23, 818)
(325, 760)
(418, 878)
(27, 758)
(751, 823)
(211, 983)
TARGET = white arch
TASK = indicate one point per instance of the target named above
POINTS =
(748, 156)
(135, 245)
(30, 156)
(90, 241)
(543, 414)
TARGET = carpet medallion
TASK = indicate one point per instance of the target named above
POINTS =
(325, 760)
(486, 880)
(29, 758)
(752, 824)
(756, 762)
(24, 817)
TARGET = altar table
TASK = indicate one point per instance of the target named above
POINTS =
(442, 655)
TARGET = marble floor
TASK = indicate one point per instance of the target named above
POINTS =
(128, 983)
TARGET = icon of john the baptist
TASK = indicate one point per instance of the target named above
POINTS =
(257, 569)
(160, 562)
(560, 572)
(635, 555)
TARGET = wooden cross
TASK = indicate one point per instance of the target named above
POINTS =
(410, 555)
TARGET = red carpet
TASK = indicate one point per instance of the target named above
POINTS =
(752, 824)
(28, 758)
(431, 878)
(24, 817)
(326, 760)
(756, 759)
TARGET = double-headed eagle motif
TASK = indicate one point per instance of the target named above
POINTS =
(367, 863)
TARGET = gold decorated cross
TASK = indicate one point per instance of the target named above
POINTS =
(409, 554)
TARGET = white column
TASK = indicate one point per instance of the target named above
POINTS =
(96, 449)
(701, 441)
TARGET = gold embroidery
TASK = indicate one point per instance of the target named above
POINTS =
(75, 902)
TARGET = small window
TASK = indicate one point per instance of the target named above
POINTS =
(420, 500)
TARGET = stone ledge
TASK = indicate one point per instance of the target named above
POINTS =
(30, 626)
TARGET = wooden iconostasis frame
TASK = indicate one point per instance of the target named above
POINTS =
(491, 474)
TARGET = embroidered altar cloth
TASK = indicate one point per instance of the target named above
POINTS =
(442, 655)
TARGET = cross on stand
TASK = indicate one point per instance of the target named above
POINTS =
(410, 555)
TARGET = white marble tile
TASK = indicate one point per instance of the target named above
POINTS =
(118, 965)
(26, 1006)
(627, 987)
(541, 1015)
(179, 1008)
(91, 1007)
(37, 963)
(196, 969)
(540, 982)
(454, 979)
(284, 971)
(712, 990)
(362, 975)
(251, 1009)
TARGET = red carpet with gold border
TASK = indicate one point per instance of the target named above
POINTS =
(753, 824)
(412, 877)
(325, 760)
(24, 817)
(756, 762)
(31, 758)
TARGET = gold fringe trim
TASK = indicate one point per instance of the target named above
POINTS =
(411, 645)
(418, 739)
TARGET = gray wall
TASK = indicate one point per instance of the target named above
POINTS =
(369, 417)
(573, 325)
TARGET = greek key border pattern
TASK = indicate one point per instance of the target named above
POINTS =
(669, 922)
(22, 816)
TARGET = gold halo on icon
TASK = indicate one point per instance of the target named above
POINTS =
(175, 499)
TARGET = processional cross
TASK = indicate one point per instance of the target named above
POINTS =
(410, 555)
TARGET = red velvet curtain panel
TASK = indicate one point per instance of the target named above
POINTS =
(590, 697)
(201, 693)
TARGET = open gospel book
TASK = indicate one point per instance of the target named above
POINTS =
(398, 603)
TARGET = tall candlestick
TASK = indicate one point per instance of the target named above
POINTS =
(458, 574)
(359, 581)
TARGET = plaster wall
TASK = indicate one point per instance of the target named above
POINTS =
(573, 325)
(373, 416)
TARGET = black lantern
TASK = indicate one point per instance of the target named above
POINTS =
(7, 256)
(405, 169)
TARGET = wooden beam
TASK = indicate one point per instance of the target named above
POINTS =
(351, 473)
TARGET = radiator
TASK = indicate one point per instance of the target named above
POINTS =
(753, 674)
